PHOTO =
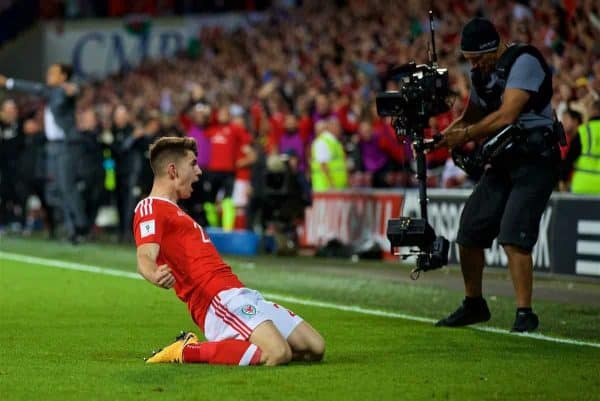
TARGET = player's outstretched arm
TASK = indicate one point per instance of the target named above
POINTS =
(160, 276)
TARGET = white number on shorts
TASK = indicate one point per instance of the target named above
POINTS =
(292, 314)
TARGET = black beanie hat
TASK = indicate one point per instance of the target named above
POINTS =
(479, 36)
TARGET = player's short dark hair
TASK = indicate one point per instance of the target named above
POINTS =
(170, 149)
(66, 70)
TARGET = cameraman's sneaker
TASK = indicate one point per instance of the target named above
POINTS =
(470, 312)
(525, 321)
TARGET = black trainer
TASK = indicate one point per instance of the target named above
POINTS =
(525, 321)
(471, 311)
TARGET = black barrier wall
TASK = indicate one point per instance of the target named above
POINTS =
(576, 235)
(568, 242)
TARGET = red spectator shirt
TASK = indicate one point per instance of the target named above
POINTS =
(306, 129)
(225, 141)
(199, 271)
(438, 157)
(347, 119)
(276, 130)
(243, 173)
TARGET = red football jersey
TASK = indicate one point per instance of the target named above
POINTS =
(200, 272)
(225, 140)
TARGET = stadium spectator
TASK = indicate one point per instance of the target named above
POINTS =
(91, 168)
(584, 155)
(226, 139)
(453, 176)
(322, 108)
(571, 121)
(148, 130)
(291, 141)
(62, 146)
(199, 115)
(255, 212)
(12, 205)
(380, 154)
(240, 326)
(32, 170)
(124, 140)
(328, 164)
(245, 158)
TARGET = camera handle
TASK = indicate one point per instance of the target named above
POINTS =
(421, 146)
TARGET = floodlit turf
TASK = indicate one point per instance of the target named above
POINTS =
(69, 335)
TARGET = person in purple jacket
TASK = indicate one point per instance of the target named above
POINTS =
(378, 154)
(199, 114)
(291, 141)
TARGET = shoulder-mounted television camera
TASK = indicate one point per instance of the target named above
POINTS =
(424, 92)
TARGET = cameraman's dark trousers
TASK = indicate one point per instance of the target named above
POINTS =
(507, 203)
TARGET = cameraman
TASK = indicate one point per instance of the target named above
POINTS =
(511, 196)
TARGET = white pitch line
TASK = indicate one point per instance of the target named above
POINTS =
(328, 305)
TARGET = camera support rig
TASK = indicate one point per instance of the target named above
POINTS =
(432, 250)
(424, 93)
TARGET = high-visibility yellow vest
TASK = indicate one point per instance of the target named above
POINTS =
(337, 165)
(586, 178)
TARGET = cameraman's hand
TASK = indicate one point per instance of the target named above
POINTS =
(453, 138)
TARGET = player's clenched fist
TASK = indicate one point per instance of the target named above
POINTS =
(163, 277)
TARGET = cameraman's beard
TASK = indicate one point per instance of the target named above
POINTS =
(480, 78)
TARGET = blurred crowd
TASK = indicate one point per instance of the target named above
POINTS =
(288, 93)
(18, 15)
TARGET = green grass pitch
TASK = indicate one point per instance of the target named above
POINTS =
(72, 335)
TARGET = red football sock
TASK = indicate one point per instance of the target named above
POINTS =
(226, 352)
